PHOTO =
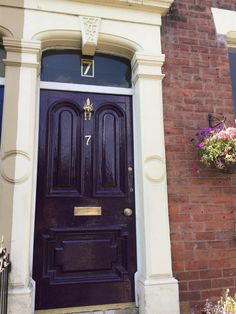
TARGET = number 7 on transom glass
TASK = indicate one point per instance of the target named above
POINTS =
(87, 67)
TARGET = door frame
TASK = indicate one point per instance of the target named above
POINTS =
(90, 89)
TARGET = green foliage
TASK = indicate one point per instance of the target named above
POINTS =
(218, 152)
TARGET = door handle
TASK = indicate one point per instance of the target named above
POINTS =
(128, 212)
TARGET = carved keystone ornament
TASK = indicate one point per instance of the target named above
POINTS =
(90, 29)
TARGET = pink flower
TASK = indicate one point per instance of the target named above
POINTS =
(202, 144)
(228, 133)
(195, 168)
(232, 132)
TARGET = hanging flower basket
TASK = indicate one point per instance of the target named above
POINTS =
(217, 147)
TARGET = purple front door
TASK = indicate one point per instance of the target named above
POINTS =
(84, 249)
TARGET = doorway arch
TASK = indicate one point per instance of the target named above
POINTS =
(153, 249)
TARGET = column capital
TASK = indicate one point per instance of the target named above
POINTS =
(147, 65)
(22, 52)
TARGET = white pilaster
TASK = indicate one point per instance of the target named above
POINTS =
(17, 162)
(157, 290)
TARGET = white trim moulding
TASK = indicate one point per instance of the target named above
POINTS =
(86, 88)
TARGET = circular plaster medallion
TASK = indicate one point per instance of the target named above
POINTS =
(154, 168)
(15, 166)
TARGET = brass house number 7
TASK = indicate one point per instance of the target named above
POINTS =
(87, 67)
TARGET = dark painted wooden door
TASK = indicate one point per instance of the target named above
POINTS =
(84, 250)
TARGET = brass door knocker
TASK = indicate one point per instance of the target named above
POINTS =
(88, 109)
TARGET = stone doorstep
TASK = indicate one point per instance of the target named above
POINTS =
(117, 311)
(125, 308)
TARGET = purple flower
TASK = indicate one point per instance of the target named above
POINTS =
(192, 139)
(208, 129)
(202, 132)
(197, 134)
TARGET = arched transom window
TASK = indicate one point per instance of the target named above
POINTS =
(70, 66)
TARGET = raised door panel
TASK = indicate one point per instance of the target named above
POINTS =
(110, 159)
(90, 255)
(64, 150)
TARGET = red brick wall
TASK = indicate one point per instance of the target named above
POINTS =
(201, 205)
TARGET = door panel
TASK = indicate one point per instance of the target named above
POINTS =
(91, 259)
(110, 161)
(61, 245)
(64, 150)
